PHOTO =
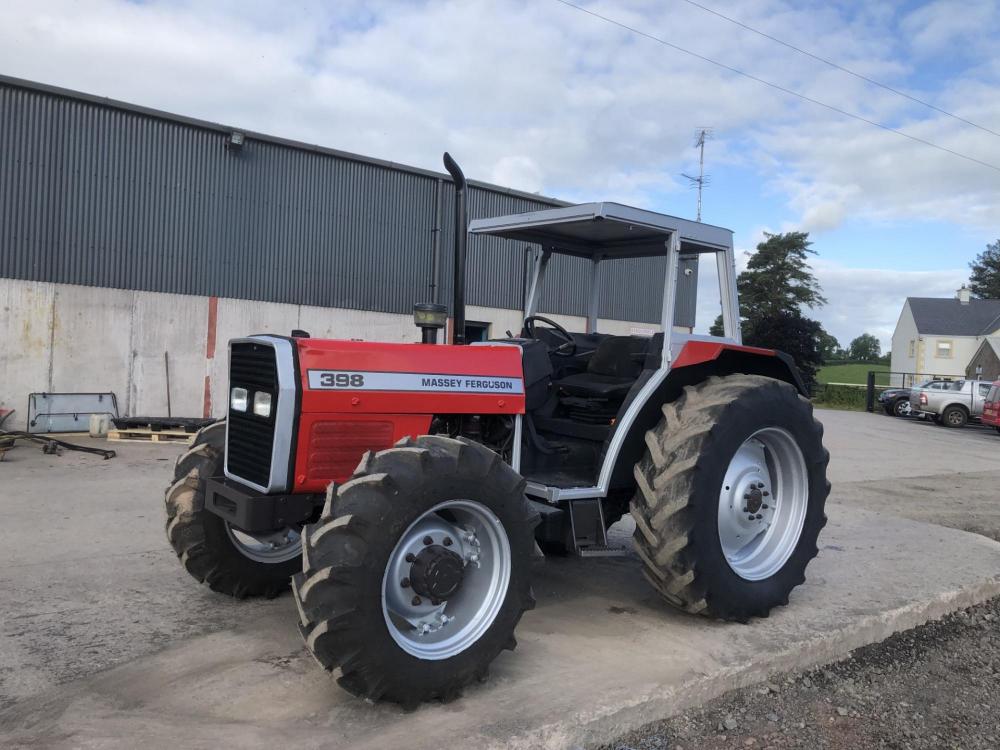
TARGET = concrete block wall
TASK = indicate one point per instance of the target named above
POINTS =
(66, 338)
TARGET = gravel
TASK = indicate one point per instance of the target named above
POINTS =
(933, 687)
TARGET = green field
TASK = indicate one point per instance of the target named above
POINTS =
(848, 373)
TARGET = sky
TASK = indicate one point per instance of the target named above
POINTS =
(535, 95)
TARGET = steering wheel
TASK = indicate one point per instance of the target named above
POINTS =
(565, 349)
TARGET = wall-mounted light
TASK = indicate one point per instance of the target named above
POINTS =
(235, 141)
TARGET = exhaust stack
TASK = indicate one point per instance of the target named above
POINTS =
(461, 242)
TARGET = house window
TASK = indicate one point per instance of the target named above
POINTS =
(943, 349)
(913, 348)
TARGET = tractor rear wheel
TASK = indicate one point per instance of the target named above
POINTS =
(731, 496)
(228, 560)
(418, 571)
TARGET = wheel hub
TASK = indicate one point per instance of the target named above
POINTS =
(437, 573)
(446, 579)
(754, 500)
(762, 503)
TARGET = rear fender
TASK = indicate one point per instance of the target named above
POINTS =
(697, 362)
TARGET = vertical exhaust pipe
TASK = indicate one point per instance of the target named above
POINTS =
(461, 242)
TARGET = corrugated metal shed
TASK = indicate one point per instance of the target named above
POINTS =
(102, 193)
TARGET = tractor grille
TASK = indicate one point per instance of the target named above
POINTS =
(251, 438)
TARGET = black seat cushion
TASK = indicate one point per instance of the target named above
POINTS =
(595, 385)
(619, 356)
(611, 370)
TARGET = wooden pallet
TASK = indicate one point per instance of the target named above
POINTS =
(151, 436)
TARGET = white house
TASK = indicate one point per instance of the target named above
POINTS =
(936, 336)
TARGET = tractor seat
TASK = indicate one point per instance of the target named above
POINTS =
(611, 370)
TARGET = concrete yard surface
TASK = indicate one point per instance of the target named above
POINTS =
(107, 643)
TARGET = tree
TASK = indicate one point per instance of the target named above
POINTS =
(717, 328)
(778, 277)
(984, 281)
(792, 333)
(777, 284)
(866, 348)
(829, 347)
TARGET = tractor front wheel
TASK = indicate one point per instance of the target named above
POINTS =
(731, 496)
(228, 560)
(418, 571)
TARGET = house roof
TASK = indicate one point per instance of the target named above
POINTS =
(949, 317)
(993, 342)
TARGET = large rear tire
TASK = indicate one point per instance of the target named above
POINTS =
(418, 571)
(227, 560)
(731, 496)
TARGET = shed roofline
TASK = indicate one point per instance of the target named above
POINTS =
(194, 122)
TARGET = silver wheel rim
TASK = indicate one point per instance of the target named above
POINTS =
(903, 409)
(439, 630)
(763, 503)
(277, 547)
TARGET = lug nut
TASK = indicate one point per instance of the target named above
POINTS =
(746, 496)
(428, 541)
(405, 583)
(750, 518)
(765, 493)
(447, 541)
(410, 557)
(764, 506)
(760, 485)
(416, 601)
(746, 510)
(759, 516)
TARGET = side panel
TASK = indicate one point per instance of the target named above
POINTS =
(358, 396)
(331, 445)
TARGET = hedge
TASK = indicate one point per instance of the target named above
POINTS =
(839, 396)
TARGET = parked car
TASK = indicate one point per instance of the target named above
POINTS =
(895, 401)
(991, 407)
(950, 402)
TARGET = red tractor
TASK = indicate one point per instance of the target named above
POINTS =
(406, 489)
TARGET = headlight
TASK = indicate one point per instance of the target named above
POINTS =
(262, 404)
(238, 399)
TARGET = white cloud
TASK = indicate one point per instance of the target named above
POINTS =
(860, 300)
(864, 300)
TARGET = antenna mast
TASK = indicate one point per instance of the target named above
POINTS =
(702, 179)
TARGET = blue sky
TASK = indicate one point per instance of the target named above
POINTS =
(541, 97)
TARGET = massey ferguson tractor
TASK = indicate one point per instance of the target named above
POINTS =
(405, 490)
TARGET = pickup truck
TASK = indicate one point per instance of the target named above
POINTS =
(950, 402)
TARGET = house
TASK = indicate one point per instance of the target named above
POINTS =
(940, 336)
(985, 363)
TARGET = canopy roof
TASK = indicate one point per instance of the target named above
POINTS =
(607, 230)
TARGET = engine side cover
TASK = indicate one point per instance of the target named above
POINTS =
(358, 396)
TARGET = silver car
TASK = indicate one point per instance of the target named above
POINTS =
(950, 402)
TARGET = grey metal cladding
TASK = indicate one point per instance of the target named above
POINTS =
(106, 194)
